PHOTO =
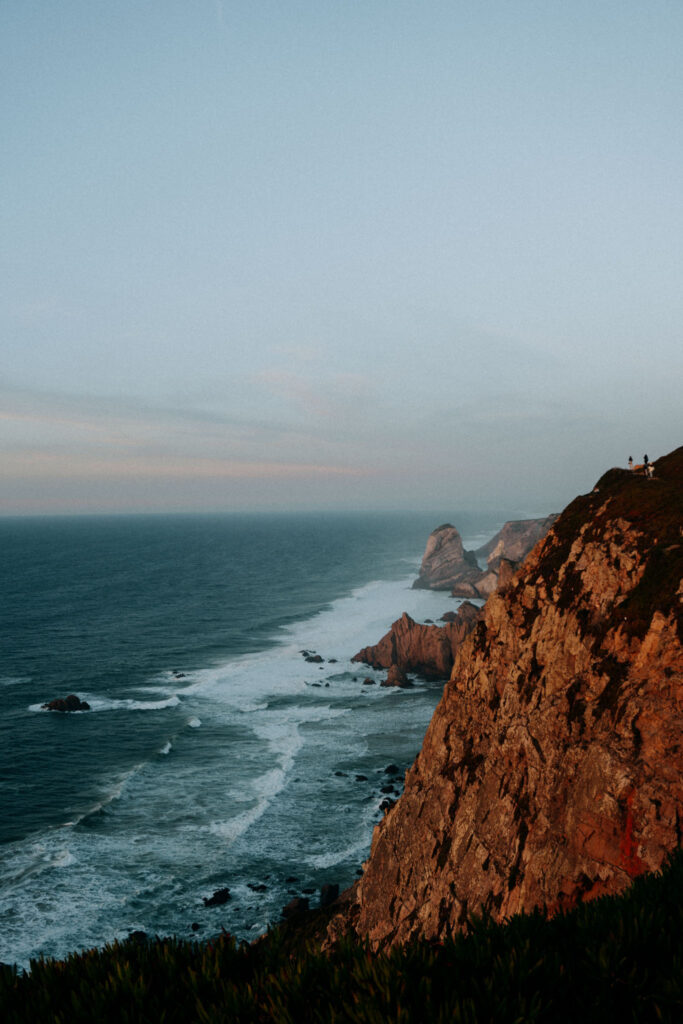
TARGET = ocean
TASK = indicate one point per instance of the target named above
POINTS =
(214, 755)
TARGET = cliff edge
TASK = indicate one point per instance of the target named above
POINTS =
(552, 769)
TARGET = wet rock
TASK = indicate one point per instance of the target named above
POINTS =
(290, 879)
(313, 659)
(220, 897)
(70, 703)
(368, 682)
(392, 769)
(386, 805)
(342, 775)
(396, 677)
(195, 926)
(361, 778)
(257, 887)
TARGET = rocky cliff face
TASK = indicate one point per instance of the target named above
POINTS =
(552, 770)
(515, 540)
(427, 650)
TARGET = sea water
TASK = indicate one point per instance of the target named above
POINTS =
(214, 754)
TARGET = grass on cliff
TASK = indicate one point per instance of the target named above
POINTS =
(615, 959)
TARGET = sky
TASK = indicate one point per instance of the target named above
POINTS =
(336, 254)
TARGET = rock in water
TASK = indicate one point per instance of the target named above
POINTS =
(552, 769)
(425, 650)
(70, 703)
(445, 561)
(396, 677)
(220, 897)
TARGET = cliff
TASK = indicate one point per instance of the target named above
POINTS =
(552, 770)
(515, 540)
(427, 650)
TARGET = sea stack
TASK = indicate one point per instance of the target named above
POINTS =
(445, 560)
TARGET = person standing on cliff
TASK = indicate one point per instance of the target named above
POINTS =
(630, 462)
(646, 465)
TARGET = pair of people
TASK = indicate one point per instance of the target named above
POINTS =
(647, 466)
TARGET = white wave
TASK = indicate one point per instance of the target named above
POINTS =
(98, 704)
(194, 723)
(328, 860)
(63, 859)
(167, 748)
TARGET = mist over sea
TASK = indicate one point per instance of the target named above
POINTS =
(214, 755)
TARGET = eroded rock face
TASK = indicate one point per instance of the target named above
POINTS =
(515, 540)
(445, 560)
(428, 651)
(447, 566)
(552, 770)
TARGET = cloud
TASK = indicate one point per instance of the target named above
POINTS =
(38, 463)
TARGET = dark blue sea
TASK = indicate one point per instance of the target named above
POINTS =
(214, 754)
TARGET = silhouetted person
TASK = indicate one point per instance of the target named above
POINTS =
(630, 462)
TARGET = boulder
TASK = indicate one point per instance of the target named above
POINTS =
(396, 677)
(220, 897)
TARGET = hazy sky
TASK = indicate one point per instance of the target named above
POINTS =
(336, 253)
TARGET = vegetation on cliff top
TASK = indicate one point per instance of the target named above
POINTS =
(615, 959)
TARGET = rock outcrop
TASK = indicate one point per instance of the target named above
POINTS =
(396, 677)
(428, 651)
(515, 540)
(445, 561)
(552, 770)
(446, 565)
(70, 703)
